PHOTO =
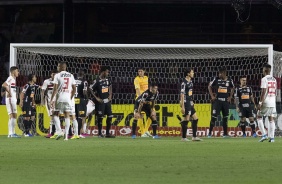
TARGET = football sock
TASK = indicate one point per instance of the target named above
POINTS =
(271, 129)
(57, 124)
(253, 126)
(147, 124)
(154, 127)
(261, 126)
(100, 125)
(26, 126)
(108, 125)
(194, 127)
(184, 128)
(79, 121)
(10, 129)
(243, 127)
(211, 127)
(13, 123)
(224, 124)
(75, 126)
(141, 126)
(134, 126)
(67, 127)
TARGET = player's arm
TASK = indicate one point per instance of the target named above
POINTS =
(21, 99)
(22, 95)
(85, 89)
(137, 86)
(232, 90)
(110, 92)
(182, 97)
(73, 90)
(42, 96)
(263, 87)
(3, 90)
(55, 90)
(142, 100)
(253, 98)
(236, 97)
(262, 97)
(92, 90)
(73, 85)
(154, 102)
(6, 86)
(211, 84)
(43, 89)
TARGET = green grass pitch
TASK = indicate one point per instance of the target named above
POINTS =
(143, 160)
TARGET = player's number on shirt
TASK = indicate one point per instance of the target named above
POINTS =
(66, 83)
(271, 88)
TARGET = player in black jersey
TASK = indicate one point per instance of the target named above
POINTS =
(27, 104)
(102, 91)
(243, 100)
(224, 87)
(187, 105)
(81, 99)
(146, 102)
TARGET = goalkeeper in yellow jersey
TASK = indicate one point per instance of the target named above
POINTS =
(141, 85)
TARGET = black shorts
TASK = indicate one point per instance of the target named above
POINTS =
(146, 108)
(104, 109)
(246, 112)
(80, 107)
(189, 109)
(28, 110)
(220, 106)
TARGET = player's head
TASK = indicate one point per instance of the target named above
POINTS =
(189, 72)
(222, 72)
(62, 66)
(266, 69)
(105, 71)
(243, 80)
(81, 73)
(32, 78)
(53, 73)
(14, 71)
(154, 88)
(141, 71)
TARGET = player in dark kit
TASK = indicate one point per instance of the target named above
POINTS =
(81, 100)
(27, 104)
(243, 100)
(102, 92)
(146, 102)
(224, 91)
(187, 105)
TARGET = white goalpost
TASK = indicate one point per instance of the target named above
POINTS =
(164, 64)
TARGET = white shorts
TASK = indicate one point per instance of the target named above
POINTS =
(267, 111)
(90, 107)
(11, 105)
(63, 107)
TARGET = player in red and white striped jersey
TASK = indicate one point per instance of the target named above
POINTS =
(63, 91)
(46, 94)
(267, 103)
(11, 100)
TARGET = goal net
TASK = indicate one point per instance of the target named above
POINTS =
(164, 64)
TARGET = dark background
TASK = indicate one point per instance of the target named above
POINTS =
(132, 21)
